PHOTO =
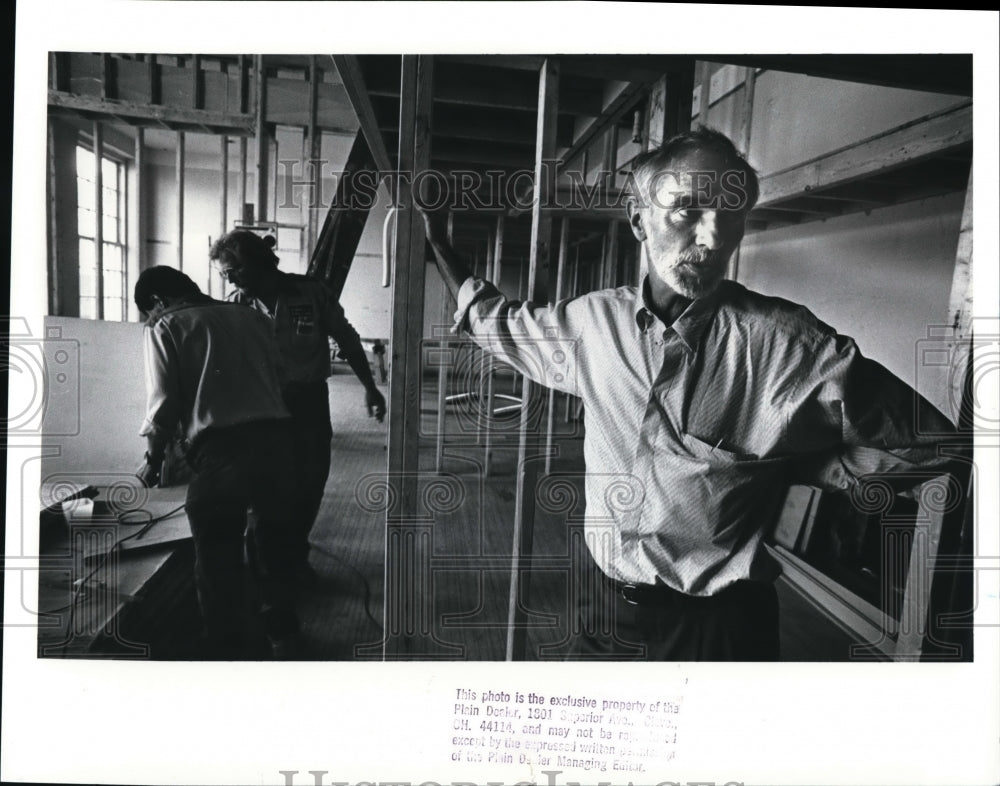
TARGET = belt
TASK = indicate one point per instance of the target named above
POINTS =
(660, 594)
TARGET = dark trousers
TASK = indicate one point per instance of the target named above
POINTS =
(654, 622)
(309, 406)
(237, 468)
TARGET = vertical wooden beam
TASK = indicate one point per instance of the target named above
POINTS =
(705, 99)
(527, 470)
(442, 392)
(555, 298)
(140, 201)
(743, 145)
(52, 216)
(573, 292)
(99, 217)
(180, 172)
(108, 77)
(197, 84)
(314, 152)
(496, 273)
(244, 84)
(611, 272)
(408, 624)
(153, 80)
(261, 139)
(242, 199)
(223, 209)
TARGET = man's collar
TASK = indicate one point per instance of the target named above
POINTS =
(690, 325)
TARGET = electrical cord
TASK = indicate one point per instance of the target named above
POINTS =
(360, 575)
(116, 546)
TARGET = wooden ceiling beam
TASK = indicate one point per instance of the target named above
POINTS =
(139, 114)
(354, 83)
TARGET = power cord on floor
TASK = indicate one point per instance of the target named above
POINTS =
(359, 574)
(148, 524)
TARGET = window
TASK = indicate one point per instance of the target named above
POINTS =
(113, 305)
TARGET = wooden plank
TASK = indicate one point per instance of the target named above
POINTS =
(497, 271)
(99, 217)
(407, 591)
(52, 218)
(108, 77)
(180, 173)
(139, 203)
(223, 209)
(243, 180)
(313, 141)
(906, 144)
(244, 84)
(349, 68)
(705, 87)
(260, 138)
(527, 472)
(151, 114)
(555, 297)
(913, 620)
(442, 398)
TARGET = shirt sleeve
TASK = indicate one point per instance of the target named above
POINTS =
(162, 382)
(869, 422)
(539, 341)
(336, 325)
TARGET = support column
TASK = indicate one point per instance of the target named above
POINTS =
(99, 218)
(443, 353)
(553, 299)
(261, 139)
(496, 272)
(527, 467)
(409, 626)
(180, 200)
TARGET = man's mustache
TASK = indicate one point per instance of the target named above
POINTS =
(699, 256)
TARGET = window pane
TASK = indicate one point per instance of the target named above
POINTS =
(88, 270)
(85, 223)
(109, 173)
(113, 309)
(88, 307)
(112, 284)
(85, 194)
(112, 257)
(84, 164)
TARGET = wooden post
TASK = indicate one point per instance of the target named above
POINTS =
(442, 395)
(496, 273)
(553, 299)
(180, 200)
(315, 151)
(743, 144)
(223, 206)
(705, 102)
(261, 139)
(197, 85)
(573, 291)
(242, 199)
(99, 218)
(408, 592)
(527, 469)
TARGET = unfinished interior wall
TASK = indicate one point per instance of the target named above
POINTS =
(102, 402)
(883, 277)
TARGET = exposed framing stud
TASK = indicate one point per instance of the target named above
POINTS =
(527, 469)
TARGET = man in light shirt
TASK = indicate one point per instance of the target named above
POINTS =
(703, 401)
(212, 373)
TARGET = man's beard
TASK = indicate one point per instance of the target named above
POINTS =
(696, 272)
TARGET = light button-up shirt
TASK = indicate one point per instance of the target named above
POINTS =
(693, 432)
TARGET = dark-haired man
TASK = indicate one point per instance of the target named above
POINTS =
(703, 400)
(303, 315)
(212, 371)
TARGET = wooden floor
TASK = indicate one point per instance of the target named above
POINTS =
(469, 529)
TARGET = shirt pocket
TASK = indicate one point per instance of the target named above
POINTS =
(728, 456)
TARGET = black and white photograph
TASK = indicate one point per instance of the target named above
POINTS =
(574, 407)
